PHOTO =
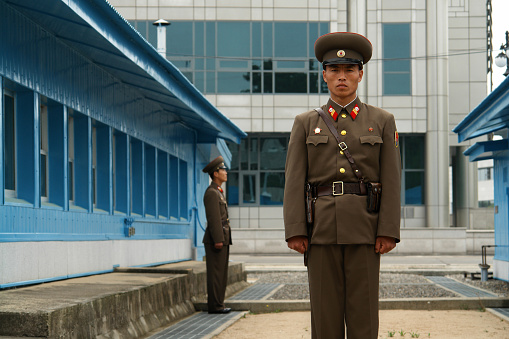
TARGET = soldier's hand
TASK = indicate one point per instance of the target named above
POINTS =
(384, 244)
(218, 245)
(298, 243)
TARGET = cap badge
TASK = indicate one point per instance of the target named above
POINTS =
(341, 53)
(333, 113)
(318, 130)
(370, 129)
(354, 112)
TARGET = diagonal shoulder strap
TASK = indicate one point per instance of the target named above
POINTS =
(344, 148)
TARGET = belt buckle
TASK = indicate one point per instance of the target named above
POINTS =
(342, 146)
(334, 188)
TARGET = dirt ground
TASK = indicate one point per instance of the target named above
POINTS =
(393, 323)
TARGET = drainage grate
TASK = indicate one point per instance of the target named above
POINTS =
(197, 326)
(464, 290)
(255, 292)
(502, 311)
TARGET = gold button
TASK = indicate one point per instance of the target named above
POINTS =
(343, 116)
(341, 152)
(342, 170)
(343, 132)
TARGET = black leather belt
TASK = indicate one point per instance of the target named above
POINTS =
(339, 188)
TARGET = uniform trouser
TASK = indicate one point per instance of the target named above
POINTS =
(217, 275)
(343, 285)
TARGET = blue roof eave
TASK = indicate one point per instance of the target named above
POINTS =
(486, 149)
(485, 117)
(106, 21)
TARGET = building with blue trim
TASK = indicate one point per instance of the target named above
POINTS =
(102, 142)
(492, 116)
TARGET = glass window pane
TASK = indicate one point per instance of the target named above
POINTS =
(44, 166)
(249, 189)
(233, 82)
(199, 48)
(257, 82)
(232, 189)
(291, 64)
(267, 39)
(273, 153)
(9, 144)
(179, 37)
(253, 153)
(272, 187)
(414, 188)
(288, 39)
(211, 82)
(152, 34)
(313, 82)
(291, 83)
(199, 81)
(233, 64)
(414, 152)
(397, 84)
(211, 39)
(233, 39)
(256, 33)
(267, 82)
(234, 149)
(396, 55)
(313, 35)
(243, 154)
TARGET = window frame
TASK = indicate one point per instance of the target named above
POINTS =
(8, 193)
(386, 60)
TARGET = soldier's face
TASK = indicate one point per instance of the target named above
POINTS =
(342, 81)
(221, 174)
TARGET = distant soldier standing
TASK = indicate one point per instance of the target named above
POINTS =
(349, 155)
(217, 238)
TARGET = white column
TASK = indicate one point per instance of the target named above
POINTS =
(437, 138)
(161, 36)
(357, 14)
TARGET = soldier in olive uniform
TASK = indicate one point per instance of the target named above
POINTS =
(346, 241)
(217, 237)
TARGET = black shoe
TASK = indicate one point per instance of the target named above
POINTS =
(223, 311)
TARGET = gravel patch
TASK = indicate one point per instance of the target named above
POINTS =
(391, 286)
(496, 286)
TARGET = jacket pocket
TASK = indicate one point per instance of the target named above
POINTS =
(371, 139)
(317, 139)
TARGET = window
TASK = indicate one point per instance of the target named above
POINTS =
(485, 174)
(183, 190)
(257, 173)
(267, 57)
(412, 162)
(43, 131)
(150, 181)
(9, 145)
(136, 177)
(120, 172)
(396, 59)
(162, 183)
(70, 175)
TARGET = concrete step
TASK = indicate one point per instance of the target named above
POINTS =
(127, 303)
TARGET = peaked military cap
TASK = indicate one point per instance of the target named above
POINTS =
(343, 48)
(214, 165)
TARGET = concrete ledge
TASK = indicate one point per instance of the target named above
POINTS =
(431, 304)
(115, 305)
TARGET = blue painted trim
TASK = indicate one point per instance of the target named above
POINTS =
(105, 20)
(40, 281)
(479, 150)
(2, 191)
(37, 151)
(482, 117)
(163, 263)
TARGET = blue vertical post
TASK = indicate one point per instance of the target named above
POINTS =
(65, 133)
(57, 158)
(2, 133)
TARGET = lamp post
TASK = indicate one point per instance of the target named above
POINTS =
(502, 60)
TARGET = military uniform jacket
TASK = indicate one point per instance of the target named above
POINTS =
(314, 156)
(216, 209)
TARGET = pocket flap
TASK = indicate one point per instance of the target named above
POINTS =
(317, 139)
(371, 139)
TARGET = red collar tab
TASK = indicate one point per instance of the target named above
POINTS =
(354, 112)
(333, 113)
(220, 189)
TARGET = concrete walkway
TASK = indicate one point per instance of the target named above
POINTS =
(141, 302)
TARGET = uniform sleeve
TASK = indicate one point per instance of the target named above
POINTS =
(294, 213)
(213, 212)
(389, 217)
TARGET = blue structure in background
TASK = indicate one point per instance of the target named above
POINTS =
(102, 143)
(492, 115)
